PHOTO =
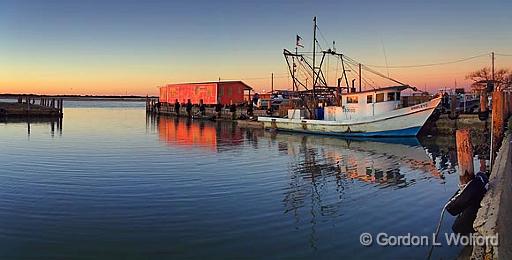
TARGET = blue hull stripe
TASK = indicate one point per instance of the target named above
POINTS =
(412, 131)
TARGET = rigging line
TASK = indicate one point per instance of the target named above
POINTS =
(354, 74)
(430, 64)
(367, 83)
(322, 35)
(373, 71)
(502, 54)
(385, 56)
(382, 75)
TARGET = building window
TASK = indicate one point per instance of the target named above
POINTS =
(397, 96)
(391, 96)
(352, 99)
(369, 99)
(379, 98)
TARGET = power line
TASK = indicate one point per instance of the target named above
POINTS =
(501, 54)
(430, 64)
(278, 75)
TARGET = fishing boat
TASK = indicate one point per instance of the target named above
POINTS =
(373, 112)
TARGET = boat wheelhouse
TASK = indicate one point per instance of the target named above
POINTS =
(363, 104)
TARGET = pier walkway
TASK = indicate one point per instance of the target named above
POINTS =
(28, 107)
(496, 208)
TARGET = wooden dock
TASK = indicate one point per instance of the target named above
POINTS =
(44, 107)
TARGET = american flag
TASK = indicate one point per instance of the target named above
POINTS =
(298, 43)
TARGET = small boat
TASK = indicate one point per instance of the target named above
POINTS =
(373, 113)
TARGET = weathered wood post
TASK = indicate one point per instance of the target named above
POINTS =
(506, 105)
(453, 106)
(273, 124)
(59, 107)
(497, 122)
(464, 152)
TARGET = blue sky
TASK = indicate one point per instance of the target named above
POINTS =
(111, 47)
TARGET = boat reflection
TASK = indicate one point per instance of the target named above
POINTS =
(206, 135)
(368, 161)
(328, 174)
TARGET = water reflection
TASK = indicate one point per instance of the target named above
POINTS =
(187, 133)
(334, 180)
(54, 124)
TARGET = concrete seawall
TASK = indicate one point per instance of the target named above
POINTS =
(496, 208)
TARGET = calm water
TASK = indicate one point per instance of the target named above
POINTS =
(114, 184)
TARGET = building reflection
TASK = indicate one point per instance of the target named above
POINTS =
(187, 133)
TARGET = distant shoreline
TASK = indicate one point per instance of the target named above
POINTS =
(79, 97)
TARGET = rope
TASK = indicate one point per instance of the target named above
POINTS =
(455, 196)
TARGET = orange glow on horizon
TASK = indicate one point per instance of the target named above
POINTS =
(146, 82)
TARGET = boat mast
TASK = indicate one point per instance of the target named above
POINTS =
(314, 54)
(360, 85)
(294, 86)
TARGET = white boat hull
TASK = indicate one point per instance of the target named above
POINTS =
(400, 122)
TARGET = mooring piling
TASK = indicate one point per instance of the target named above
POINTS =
(464, 152)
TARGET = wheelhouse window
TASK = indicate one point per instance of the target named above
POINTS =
(391, 96)
(369, 99)
(379, 98)
(352, 99)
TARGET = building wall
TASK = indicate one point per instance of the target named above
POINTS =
(231, 92)
(195, 92)
(211, 93)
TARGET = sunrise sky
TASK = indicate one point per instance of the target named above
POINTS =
(130, 47)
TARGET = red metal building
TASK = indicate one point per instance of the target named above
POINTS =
(223, 92)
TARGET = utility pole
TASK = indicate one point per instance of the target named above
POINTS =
(314, 55)
(492, 68)
(272, 83)
(360, 88)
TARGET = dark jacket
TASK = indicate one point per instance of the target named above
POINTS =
(189, 107)
(467, 203)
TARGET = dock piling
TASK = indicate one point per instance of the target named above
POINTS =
(464, 152)
(453, 107)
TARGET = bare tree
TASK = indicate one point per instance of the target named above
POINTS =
(502, 77)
